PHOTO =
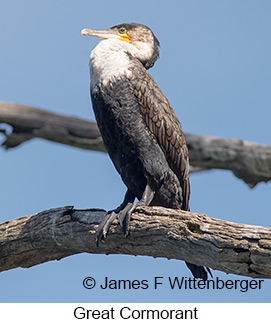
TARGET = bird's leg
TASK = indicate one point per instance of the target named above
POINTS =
(111, 216)
(125, 214)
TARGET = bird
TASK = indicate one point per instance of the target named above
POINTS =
(139, 128)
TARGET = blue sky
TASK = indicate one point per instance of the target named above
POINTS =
(214, 68)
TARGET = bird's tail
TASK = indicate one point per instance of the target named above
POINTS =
(199, 271)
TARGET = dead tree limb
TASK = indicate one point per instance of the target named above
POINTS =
(249, 161)
(155, 231)
(28, 123)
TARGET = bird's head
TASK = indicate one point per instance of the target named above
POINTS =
(143, 45)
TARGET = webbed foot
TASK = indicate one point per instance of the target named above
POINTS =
(123, 213)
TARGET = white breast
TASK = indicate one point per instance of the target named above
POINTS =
(108, 62)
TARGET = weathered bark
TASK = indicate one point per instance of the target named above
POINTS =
(28, 123)
(250, 162)
(158, 232)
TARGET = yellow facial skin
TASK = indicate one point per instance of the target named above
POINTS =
(124, 37)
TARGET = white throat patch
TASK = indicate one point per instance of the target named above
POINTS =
(109, 61)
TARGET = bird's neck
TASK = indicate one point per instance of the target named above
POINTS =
(109, 61)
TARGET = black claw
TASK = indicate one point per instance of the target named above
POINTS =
(99, 236)
(124, 218)
(104, 227)
(125, 224)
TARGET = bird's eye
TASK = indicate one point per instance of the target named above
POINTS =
(122, 30)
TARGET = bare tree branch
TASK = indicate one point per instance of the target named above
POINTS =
(158, 232)
(28, 123)
(249, 161)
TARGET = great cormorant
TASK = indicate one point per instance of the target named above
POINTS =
(139, 128)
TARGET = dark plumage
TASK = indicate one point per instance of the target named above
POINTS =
(140, 130)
